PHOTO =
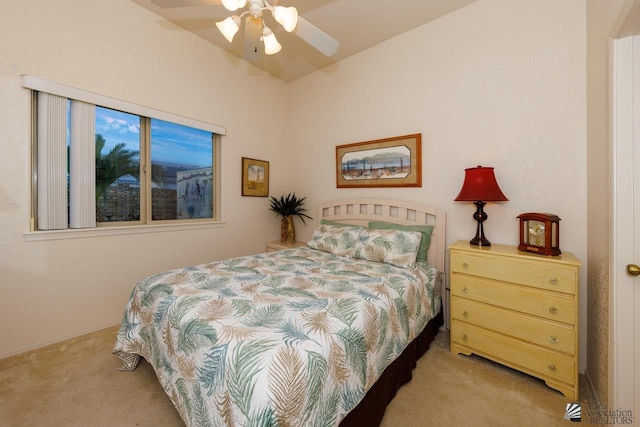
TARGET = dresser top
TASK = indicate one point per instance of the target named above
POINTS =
(505, 250)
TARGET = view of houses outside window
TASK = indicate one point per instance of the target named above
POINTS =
(180, 169)
(117, 166)
(181, 172)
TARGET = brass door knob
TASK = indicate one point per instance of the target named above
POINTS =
(633, 270)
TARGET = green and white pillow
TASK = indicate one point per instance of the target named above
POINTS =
(396, 247)
(426, 231)
(336, 240)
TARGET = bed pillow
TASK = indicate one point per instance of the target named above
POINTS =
(336, 240)
(426, 231)
(396, 247)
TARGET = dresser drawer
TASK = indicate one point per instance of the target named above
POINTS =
(549, 305)
(537, 273)
(552, 335)
(518, 354)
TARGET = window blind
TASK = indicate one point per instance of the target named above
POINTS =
(52, 162)
(65, 199)
(82, 166)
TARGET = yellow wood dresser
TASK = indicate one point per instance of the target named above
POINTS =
(517, 308)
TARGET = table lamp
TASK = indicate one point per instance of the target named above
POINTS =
(479, 187)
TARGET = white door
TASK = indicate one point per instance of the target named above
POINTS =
(625, 287)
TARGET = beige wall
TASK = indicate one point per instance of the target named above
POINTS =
(57, 289)
(496, 83)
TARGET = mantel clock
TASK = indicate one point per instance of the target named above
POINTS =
(540, 233)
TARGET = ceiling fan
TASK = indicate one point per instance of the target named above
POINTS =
(255, 27)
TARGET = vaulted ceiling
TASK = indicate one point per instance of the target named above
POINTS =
(356, 24)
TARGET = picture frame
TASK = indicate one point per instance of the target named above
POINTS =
(389, 162)
(255, 177)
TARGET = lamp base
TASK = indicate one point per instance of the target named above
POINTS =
(480, 216)
(482, 241)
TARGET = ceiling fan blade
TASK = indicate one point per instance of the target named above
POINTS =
(316, 37)
(252, 33)
(171, 4)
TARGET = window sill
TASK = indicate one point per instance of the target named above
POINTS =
(82, 233)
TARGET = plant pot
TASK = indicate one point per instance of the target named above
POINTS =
(287, 230)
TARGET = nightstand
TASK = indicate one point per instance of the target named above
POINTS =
(278, 245)
(518, 309)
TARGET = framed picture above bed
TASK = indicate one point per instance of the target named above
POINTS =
(389, 162)
(255, 177)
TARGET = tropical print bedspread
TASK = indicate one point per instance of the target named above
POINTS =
(287, 338)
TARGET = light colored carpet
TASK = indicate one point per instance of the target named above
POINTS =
(76, 383)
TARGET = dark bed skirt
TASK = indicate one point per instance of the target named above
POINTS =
(370, 410)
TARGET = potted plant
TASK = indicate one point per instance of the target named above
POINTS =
(289, 206)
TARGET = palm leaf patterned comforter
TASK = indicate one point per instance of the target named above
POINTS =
(287, 338)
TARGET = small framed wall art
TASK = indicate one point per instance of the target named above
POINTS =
(390, 162)
(255, 177)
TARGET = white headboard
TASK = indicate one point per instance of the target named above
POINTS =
(361, 211)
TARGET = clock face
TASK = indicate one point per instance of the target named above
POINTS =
(536, 233)
(536, 228)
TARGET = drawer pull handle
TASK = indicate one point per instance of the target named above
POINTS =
(553, 340)
(552, 367)
(465, 337)
(465, 290)
(465, 314)
(465, 265)
(553, 281)
(553, 310)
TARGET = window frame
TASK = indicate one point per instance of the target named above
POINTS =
(36, 85)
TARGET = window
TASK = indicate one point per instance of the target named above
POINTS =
(118, 145)
(181, 172)
(102, 162)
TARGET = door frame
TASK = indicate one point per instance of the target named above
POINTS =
(621, 368)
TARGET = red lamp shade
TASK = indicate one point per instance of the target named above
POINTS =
(480, 185)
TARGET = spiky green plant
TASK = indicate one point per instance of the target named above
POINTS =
(289, 205)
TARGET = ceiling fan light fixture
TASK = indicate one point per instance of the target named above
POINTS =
(229, 27)
(271, 45)
(286, 16)
(233, 5)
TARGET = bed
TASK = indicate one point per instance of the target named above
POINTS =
(323, 334)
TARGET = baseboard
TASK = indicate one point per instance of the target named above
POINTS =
(55, 341)
(592, 389)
